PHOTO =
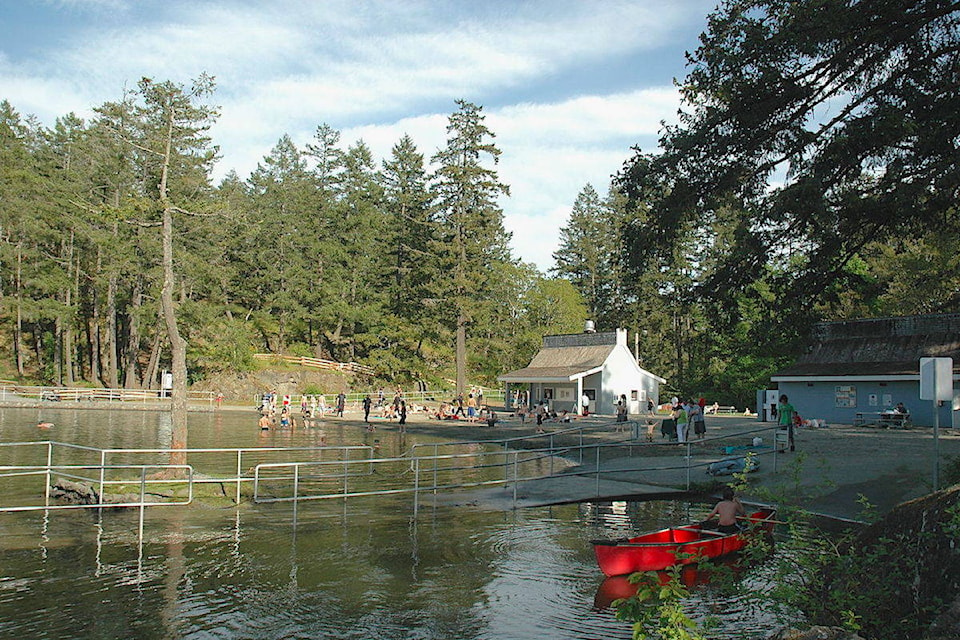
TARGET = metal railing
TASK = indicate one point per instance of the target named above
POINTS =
(484, 463)
(214, 462)
(499, 465)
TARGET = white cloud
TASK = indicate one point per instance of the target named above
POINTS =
(376, 69)
(549, 153)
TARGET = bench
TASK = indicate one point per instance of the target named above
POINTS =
(882, 419)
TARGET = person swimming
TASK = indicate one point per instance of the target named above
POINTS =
(44, 425)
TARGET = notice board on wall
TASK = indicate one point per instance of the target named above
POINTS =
(846, 396)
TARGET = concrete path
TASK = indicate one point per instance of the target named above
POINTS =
(839, 471)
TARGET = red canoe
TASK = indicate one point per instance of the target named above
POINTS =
(676, 545)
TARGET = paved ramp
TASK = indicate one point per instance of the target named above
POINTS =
(554, 490)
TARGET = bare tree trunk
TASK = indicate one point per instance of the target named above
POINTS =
(461, 356)
(73, 293)
(18, 327)
(58, 351)
(113, 375)
(93, 330)
(132, 348)
(38, 346)
(178, 346)
(150, 375)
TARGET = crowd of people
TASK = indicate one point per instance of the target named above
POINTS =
(689, 419)
(277, 411)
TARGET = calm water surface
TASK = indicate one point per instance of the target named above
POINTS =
(365, 568)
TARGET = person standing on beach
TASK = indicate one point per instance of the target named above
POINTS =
(341, 403)
(367, 403)
(785, 412)
(682, 417)
(402, 411)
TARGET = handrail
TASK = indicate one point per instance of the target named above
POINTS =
(64, 470)
(104, 456)
(436, 472)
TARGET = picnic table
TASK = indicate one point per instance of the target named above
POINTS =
(882, 419)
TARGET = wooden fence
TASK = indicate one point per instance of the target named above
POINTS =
(317, 363)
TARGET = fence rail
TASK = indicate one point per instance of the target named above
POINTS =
(317, 363)
(15, 392)
(291, 474)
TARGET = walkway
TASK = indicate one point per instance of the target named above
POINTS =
(829, 473)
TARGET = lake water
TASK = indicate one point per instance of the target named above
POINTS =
(361, 568)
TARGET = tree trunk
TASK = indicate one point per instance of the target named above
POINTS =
(18, 326)
(112, 377)
(178, 346)
(132, 348)
(93, 330)
(461, 353)
(150, 375)
(73, 293)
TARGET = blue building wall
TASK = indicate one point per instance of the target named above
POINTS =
(819, 400)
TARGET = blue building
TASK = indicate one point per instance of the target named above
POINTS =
(856, 370)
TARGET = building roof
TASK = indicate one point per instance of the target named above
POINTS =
(565, 358)
(878, 347)
(561, 364)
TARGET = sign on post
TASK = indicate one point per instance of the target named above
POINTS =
(936, 378)
(936, 384)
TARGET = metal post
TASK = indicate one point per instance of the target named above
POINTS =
(515, 478)
(143, 490)
(688, 465)
(103, 462)
(581, 444)
(936, 445)
(239, 468)
(416, 485)
(46, 489)
(506, 464)
(296, 482)
(598, 470)
(775, 450)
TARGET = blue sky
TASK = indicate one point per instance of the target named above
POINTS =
(567, 86)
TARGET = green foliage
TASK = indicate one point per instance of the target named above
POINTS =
(656, 609)
(318, 253)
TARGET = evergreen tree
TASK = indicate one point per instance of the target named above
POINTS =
(472, 238)
(587, 255)
(176, 163)
(283, 236)
(360, 269)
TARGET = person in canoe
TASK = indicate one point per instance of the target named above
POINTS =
(727, 510)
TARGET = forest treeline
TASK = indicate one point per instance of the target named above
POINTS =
(322, 251)
(813, 175)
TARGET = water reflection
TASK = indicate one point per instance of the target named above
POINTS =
(356, 568)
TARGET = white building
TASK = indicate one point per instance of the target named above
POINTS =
(599, 365)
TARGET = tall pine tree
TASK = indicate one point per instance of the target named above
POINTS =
(472, 238)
